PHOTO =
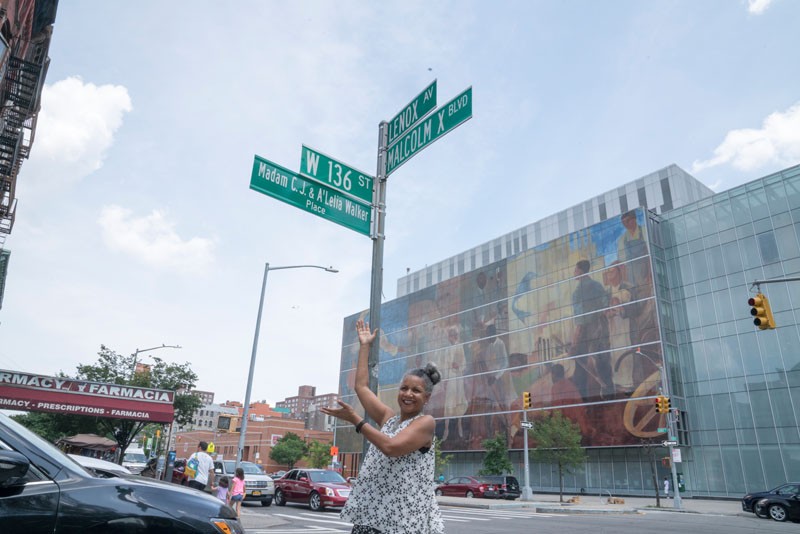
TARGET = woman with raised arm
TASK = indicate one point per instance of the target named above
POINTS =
(394, 493)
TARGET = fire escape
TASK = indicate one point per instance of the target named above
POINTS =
(18, 109)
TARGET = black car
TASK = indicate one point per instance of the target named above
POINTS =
(781, 505)
(43, 490)
(507, 486)
(749, 501)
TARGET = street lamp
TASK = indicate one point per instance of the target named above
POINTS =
(246, 411)
(136, 354)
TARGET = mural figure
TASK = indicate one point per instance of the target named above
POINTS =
(619, 324)
(455, 396)
(590, 335)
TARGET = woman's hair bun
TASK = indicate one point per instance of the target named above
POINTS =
(433, 373)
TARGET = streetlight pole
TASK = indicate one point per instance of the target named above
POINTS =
(246, 411)
(138, 351)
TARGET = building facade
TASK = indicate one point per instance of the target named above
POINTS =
(598, 310)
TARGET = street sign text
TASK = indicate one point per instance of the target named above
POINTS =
(446, 118)
(278, 182)
(412, 113)
(328, 171)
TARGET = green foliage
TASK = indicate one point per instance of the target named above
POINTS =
(113, 368)
(319, 454)
(558, 441)
(288, 450)
(496, 461)
(441, 461)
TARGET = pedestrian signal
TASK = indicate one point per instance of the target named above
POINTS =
(526, 399)
(761, 312)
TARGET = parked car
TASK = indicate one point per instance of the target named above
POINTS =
(101, 468)
(257, 485)
(507, 486)
(178, 474)
(749, 501)
(467, 487)
(319, 488)
(42, 490)
(780, 505)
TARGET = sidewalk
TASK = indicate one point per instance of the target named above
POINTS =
(595, 504)
(544, 503)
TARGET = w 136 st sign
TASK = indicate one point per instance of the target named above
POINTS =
(443, 120)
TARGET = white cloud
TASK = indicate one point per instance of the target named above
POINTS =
(153, 241)
(76, 127)
(777, 142)
(757, 7)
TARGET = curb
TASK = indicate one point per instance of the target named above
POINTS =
(559, 510)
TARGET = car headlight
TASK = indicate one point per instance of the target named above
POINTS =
(329, 492)
(227, 526)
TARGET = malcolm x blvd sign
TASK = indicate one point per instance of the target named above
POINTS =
(445, 119)
(37, 393)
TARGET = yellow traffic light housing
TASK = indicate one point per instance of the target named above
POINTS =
(662, 404)
(761, 312)
(526, 399)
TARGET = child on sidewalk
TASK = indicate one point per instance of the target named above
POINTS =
(221, 491)
(237, 491)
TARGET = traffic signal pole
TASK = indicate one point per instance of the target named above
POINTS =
(671, 425)
(527, 494)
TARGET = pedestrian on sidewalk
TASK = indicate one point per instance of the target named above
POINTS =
(394, 494)
(666, 487)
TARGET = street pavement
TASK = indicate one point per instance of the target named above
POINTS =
(547, 503)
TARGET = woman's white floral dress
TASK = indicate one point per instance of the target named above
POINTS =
(395, 495)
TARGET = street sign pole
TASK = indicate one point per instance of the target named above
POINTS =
(376, 287)
(527, 494)
(671, 425)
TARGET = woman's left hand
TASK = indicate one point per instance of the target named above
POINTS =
(345, 412)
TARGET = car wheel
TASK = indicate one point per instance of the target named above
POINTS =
(759, 514)
(469, 495)
(280, 500)
(777, 512)
(266, 502)
(439, 492)
(315, 502)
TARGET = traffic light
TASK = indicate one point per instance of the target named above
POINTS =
(761, 312)
(663, 404)
(526, 399)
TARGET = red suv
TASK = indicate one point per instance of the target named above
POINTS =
(320, 488)
(468, 487)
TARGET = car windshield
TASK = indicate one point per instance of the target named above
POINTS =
(248, 467)
(327, 476)
(134, 458)
(47, 449)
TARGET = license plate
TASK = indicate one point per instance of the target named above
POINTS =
(256, 493)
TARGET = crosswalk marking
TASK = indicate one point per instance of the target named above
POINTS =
(312, 517)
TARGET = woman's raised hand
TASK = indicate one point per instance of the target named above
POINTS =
(365, 336)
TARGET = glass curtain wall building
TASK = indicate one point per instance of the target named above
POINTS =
(588, 321)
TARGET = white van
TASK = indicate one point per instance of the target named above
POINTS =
(134, 459)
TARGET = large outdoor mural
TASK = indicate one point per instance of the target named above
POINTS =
(572, 321)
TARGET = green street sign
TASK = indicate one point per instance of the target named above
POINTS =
(327, 171)
(663, 430)
(278, 182)
(414, 112)
(447, 117)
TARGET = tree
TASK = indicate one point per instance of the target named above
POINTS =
(113, 368)
(441, 461)
(288, 450)
(319, 454)
(496, 461)
(558, 441)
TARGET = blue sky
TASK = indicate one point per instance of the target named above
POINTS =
(136, 225)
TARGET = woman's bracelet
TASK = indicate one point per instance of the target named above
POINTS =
(359, 425)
